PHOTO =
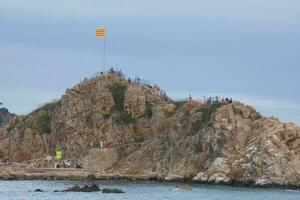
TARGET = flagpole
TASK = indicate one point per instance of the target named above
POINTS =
(104, 53)
(101, 34)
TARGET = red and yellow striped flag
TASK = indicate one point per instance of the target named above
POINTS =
(100, 32)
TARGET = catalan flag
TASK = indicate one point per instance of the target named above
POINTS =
(100, 32)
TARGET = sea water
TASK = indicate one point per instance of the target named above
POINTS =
(24, 190)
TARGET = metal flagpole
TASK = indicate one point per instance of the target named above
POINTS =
(100, 32)
(104, 53)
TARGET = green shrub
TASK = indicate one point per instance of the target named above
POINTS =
(106, 115)
(44, 123)
(14, 124)
(139, 139)
(198, 148)
(179, 104)
(201, 109)
(170, 114)
(186, 115)
(205, 120)
(197, 126)
(127, 118)
(118, 93)
(210, 124)
(148, 111)
(30, 125)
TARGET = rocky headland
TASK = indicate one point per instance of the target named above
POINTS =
(150, 137)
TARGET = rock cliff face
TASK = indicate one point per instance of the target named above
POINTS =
(155, 137)
(5, 116)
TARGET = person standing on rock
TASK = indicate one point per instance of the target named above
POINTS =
(101, 144)
(204, 100)
(190, 98)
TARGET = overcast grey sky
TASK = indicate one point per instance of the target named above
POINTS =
(248, 50)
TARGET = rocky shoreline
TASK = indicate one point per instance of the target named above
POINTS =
(85, 175)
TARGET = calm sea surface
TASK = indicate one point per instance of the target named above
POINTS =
(138, 191)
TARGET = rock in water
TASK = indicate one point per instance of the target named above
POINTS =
(92, 188)
(86, 188)
(107, 190)
(73, 189)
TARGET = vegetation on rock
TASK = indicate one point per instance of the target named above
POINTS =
(148, 111)
(205, 120)
(198, 147)
(126, 118)
(30, 124)
(118, 93)
(179, 104)
(44, 123)
(14, 124)
(106, 115)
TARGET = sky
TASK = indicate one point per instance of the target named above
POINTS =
(248, 50)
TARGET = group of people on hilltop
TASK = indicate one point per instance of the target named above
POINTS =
(213, 100)
(217, 100)
(117, 72)
(206, 100)
(136, 80)
(120, 73)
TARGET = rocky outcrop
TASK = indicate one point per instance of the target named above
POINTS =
(86, 188)
(5, 116)
(108, 190)
(152, 136)
(92, 188)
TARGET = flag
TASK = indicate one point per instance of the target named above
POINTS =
(100, 32)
